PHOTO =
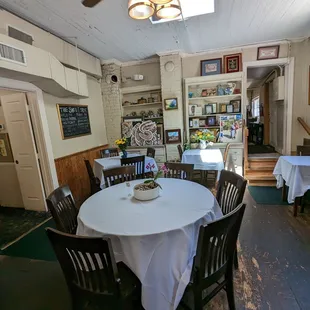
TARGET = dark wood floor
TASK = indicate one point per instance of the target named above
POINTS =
(274, 271)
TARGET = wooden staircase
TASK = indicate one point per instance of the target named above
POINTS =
(258, 170)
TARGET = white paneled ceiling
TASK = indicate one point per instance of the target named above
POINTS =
(108, 32)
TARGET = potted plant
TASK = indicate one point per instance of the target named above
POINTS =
(205, 137)
(150, 188)
(122, 145)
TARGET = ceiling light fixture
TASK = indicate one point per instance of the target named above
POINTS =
(140, 9)
(169, 10)
(160, 1)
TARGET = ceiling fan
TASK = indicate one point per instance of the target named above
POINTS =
(90, 3)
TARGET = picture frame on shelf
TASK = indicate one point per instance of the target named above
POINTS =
(229, 108)
(211, 121)
(211, 66)
(223, 108)
(214, 108)
(202, 123)
(233, 63)
(192, 109)
(171, 104)
(173, 136)
(268, 52)
(198, 111)
(195, 122)
(236, 105)
(208, 109)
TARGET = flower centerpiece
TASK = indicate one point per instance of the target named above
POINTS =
(150, 188)
(122, 145)
(205, 137)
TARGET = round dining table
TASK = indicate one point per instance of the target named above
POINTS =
(156, 239)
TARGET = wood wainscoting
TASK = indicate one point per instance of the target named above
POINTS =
(71, 170)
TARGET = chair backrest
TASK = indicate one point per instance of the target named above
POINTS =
(230, 191)
(112, 152)
(179, 171)
(180, 150)
(306, 141)
(119, 175)
(138, 162)
(225, 157)
(150, 152)
(216, 247)
(62, 207)
(87, 263)
(89, 169)
(94, 182)
(303, 150)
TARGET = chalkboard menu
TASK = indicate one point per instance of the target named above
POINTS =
(74, 120)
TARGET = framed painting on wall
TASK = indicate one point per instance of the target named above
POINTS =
(233, 63)
(173, 136)
(211, 66)
(268, 52)
(6, 155)
(171, 104)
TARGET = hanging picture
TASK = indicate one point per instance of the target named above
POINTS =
(268, 52)
(231, 128)
(233, 63)
(211, 66)
(173, 136)
(6, 154)
(171, 104)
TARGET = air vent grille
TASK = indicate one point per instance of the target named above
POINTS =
(19, 35)
(12, 54)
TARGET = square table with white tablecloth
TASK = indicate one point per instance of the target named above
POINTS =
(114, 162)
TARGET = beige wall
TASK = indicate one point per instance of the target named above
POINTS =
(191, 64)
(98, 137)
(63, 51)
(150, 71)
(10, 195)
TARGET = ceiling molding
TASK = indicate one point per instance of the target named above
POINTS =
(140, 62)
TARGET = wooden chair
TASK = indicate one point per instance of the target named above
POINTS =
(225, 157)
(109, 153)
(62, 207)
(138, 162)
(92, 274)
(230, 193)
(303, 150)
(180, 150)
(306, 141)
(213, 263)
(94, 182)
(150, 152)
(119, 175)
(180, 171)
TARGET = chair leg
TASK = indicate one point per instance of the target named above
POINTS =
(302, 205)
(236, 263)
(230, 290)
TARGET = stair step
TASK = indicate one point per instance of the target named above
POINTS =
(259, 177)
(261, 168)
(262, 159)
(262, 183)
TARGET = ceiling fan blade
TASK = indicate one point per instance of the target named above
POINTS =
(90, 3)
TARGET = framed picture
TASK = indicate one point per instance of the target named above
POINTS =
(223, 108)
(233, 63)
(192, 109)
(229, 108)
(196, 122)
(214, 108)
(202, 122)
(173, 136)
(171, 104)
(6, 154)
(211, 120)
(198, 111)
(208, 109)
(231, 128)
(236, 105)
(268, 52)
(211, 66)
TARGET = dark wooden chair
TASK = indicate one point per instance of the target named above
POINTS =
(230, 193)
(303, 150)
(225, 157)
(213, 263)
(150, 152)
(93, 277)
(180, 171)
(62, 207)
(112, 152)
(119, 175)
(138, 162)
(306, 141)
(180, 150)
(94, 182)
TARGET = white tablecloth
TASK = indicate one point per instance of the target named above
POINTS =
(209, 159)
(295, 170)
(157, 239)
(113, 162)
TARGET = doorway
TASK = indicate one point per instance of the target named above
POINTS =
(25, 172)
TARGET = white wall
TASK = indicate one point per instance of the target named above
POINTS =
(10, 195)
(63, 51)
(97, 121)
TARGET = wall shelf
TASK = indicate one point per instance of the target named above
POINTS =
(141, 105)
(215, 97)
(205, 127)
(213, 114)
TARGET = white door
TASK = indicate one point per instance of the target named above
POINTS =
(23, 146)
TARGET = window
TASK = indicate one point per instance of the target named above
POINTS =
(255, 108)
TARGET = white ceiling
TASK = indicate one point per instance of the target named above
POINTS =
(107, 32)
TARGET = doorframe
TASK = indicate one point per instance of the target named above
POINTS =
(40, 126)
(288, 101)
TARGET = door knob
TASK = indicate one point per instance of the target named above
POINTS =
(17, 162)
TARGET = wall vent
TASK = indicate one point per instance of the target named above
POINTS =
(12, 54)
(19, 35)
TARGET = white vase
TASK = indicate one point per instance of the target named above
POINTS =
(146, 195)
(203, 144)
